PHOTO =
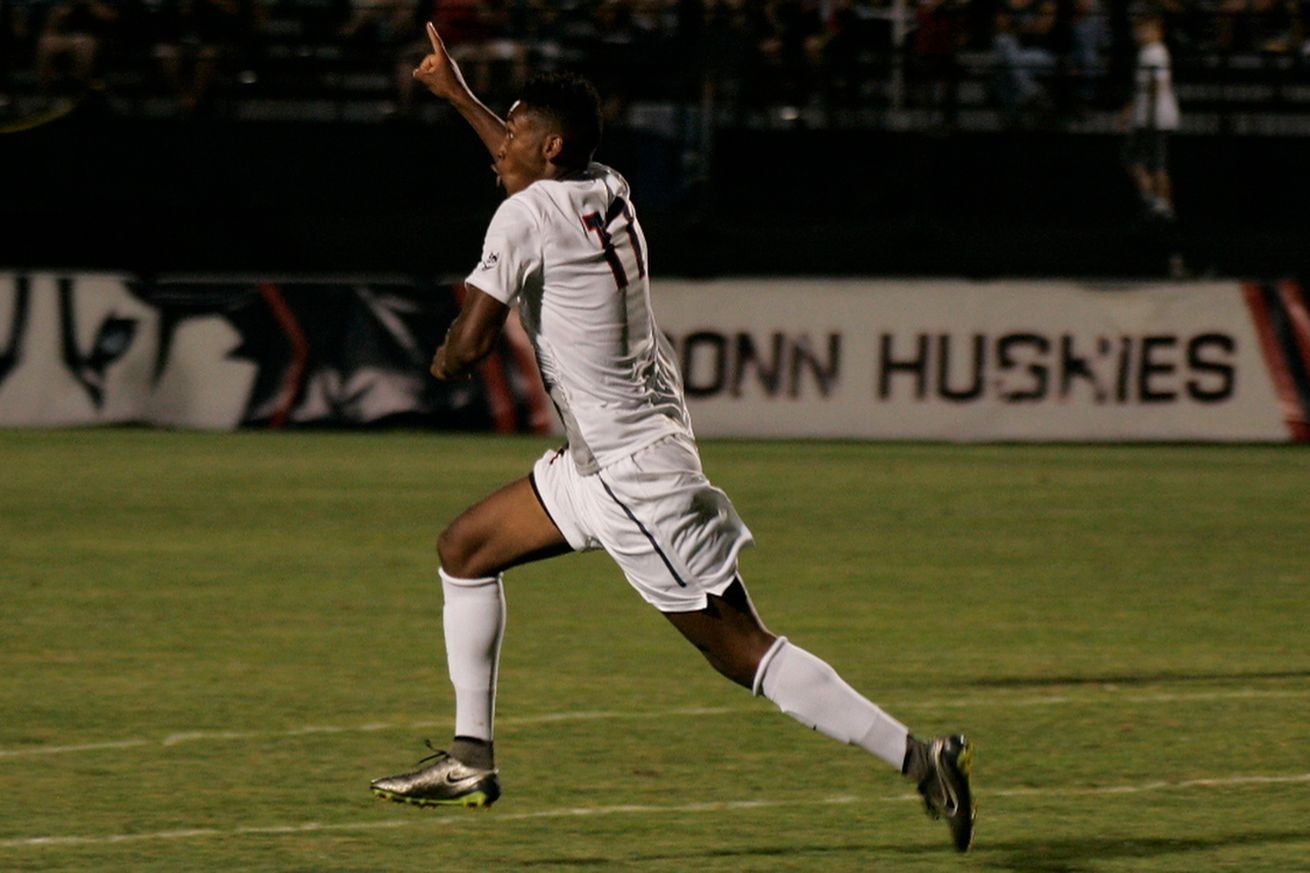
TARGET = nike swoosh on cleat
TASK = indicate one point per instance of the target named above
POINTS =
(451, 779)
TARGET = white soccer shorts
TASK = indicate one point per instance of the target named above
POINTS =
(675, 536)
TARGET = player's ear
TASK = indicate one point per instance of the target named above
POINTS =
(552, 147)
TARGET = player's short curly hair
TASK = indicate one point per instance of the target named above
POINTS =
(571, 102)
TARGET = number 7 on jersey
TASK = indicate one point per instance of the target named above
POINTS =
(605, 227)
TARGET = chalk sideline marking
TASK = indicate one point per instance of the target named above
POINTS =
(181, 737)
(622, 809)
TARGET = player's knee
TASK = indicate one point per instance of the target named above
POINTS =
(456, 552)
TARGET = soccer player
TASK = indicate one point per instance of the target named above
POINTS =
(566, 246)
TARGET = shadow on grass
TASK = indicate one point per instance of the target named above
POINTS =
(820, 853)
(1081, 856)
(1037, 856)
(1132, 679)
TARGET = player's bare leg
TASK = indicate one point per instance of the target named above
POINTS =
(508, 528)
(730, 634)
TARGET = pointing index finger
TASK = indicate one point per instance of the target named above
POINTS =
(433, 38)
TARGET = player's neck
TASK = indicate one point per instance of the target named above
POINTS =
(564, 174)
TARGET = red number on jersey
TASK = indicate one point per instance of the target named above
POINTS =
(600, 225)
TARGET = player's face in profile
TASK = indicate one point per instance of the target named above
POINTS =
(521, 159)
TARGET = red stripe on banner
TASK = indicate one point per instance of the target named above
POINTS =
(286, 320)
(526, 361)
(1278, 369)
(1294, 300)
(500, 396)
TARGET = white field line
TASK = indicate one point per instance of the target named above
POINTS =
(1111, 694)
(308, 730)
(998, 700)
(1140, 788)
(80, 747)
(622, 809)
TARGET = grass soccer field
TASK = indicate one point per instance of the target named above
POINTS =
(211, 643)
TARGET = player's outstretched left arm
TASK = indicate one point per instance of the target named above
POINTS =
(471, 337)
(441, 75)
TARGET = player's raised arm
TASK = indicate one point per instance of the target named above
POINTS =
(441, 75)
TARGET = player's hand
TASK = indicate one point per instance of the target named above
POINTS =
(438, 71)
(439, 368)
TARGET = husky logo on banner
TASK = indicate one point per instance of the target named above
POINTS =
(88, 350)
(93, 349)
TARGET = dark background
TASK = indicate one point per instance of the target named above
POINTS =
(97, 192)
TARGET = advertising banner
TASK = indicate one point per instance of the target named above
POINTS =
(220, 354)
(956, 360)
(794, 358)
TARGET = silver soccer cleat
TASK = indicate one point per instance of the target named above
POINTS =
(445, 782)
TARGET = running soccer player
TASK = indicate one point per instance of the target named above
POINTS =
(567, 248)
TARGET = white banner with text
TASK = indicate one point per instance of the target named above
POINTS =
(1003, 360)
(860, 359)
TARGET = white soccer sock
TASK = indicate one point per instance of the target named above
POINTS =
(810, 691)
(474, 622)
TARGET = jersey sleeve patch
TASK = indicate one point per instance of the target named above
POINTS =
(511, 253)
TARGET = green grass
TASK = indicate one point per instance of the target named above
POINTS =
(1124, 631)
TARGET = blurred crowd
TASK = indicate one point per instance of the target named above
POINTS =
(746, 56)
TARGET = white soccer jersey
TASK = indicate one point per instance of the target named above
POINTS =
(572, 254)
(1154, 104)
